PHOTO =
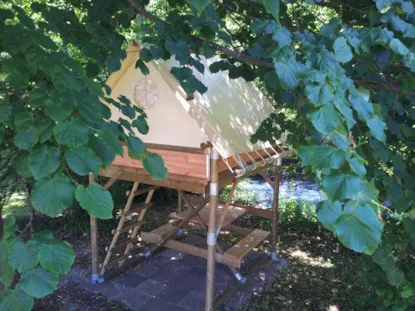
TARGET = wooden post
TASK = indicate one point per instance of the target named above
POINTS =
(275, 213)
(211, 236)
(94, 241)
(180, 202)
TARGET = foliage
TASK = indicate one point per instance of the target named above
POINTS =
(39, 263)
(343, 70)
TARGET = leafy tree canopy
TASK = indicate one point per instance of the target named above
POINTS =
(340, 74)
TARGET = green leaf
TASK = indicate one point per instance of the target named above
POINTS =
(328, 212)
(398, 47)
(15, 300)
(321, 157)
(287, 73)
(113, 63)
(21, 257)
(407, 292)
(273, 8)
(44, 130)
(22, 168)
(3, 250)
(341, 186)
(359, 228)
(154, 164)
(57, 257)
(83, 161)
(72, 134)
(95, 200)
(26, 139)
(342, 51)
(383, 5)
(141, 125)
(23, 120)
(111, 141)
(362, 105)
(319, 94)
(136, 148)
(357, 167)
(325, 119)
(5, 113)
(39, 282)
(6, 274)
(52, 196)
(200, 5)
(143, 67)
(377, 128)
(43, 161)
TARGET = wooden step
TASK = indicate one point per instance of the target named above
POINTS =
(136, 208)
(196, 200)
(234, 212)
(128, 227)
(156, 236)
(244, 246)
(122, 244)
(142, 191)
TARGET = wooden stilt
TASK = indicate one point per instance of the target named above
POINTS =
(226, 206)
(275, 216)
(211, 236)
(94, 241)
(180, 203)
(112, 180)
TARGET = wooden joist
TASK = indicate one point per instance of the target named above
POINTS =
(234, 213)
(244, 246)
(121, 245)
(156, 236)
(136, 208)
(128, 227)
(193, 250)
(142, 191)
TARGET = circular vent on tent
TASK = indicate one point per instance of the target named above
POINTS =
(146, 93)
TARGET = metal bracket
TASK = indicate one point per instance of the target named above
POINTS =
(214, 188)
(211, 238)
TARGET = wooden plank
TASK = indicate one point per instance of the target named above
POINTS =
(247, 159)
(156, 236)
(142, 191)
(194, 250)
(173, 181)
(238, 230)
(244, 246)
(251, 210)
(137, 208)
(121, 245)
(128, 227)
(227, 177)
(234, 213)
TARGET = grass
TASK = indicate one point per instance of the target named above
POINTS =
(320, 272)
(16, 206)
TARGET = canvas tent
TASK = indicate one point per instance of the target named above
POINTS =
(205, 143)
(226, 115)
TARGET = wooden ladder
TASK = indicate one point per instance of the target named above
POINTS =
(118, 251)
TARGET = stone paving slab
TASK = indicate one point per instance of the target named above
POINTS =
(174, 281)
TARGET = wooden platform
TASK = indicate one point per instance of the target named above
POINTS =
(234, 212)
(232, 257)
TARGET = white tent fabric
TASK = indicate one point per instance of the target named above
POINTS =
(226, 115)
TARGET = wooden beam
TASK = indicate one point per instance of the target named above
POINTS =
(266, 213)
(186, 183)
(194, 250)
(112, 180)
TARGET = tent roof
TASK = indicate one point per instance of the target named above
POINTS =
(226, 115)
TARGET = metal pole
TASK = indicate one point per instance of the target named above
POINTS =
(94, 241)
(275, 213)
(211, 236)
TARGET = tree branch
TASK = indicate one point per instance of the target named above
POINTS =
(256, 61)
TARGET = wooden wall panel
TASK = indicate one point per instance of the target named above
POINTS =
(176, 162)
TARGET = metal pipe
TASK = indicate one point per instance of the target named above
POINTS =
(211, 236)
